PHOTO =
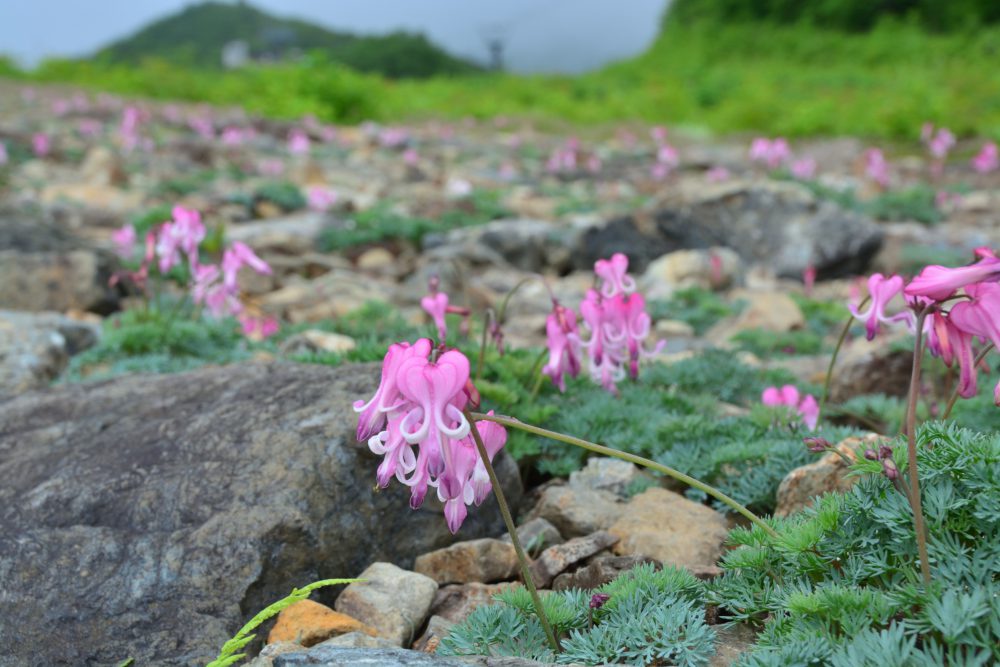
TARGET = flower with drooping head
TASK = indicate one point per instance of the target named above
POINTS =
(789, 396)
(258, 328)
(419, 404)
(597, 600)
(614, 275)
(881, 291)
(979, 317)
(564, 345)
(436, 305)
(940, 282)
(184, 233)
(771, 152)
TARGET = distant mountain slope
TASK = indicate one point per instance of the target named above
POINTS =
(197, 34)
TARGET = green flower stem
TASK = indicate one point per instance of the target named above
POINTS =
(522, 558)
(954, 394)
(632, 458)
(836, 352)
(911, 447)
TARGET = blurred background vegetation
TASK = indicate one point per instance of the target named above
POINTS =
(876, 68)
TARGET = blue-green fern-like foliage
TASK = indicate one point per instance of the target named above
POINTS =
(652, 617)
(841, 585)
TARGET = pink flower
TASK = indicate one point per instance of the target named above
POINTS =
(789, 396)
(298, 142)
(374, 413)
(4, 158)
(564, 345)
(882, 290)
(717, 175)
(659, 134)
(321, 198)
(40, 144)
(183, 234)
(436, 305)
(987, 159)
(940, 143)
(237, 256)
(979, 317)
(614, 275)
(271, 167)
(951, 339)
(876, 167)
(771, 152)
(804, 168)
(939, 282)
(668, 155)
(88, 128)
(209, 290)
(124, 240)
(410, 157)
(258, 328)
(594, 164)
(809, 279)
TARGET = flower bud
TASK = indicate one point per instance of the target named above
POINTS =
(871, 455)
(884, 452)
(597, 600)
(817, 444)
(890, 470)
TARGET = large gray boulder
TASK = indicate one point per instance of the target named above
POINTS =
(150, 516)
(779, 224)
(36, 347)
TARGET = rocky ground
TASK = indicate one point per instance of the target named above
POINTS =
(149, 516)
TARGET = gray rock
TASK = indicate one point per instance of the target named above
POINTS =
(324, 655)
(778, 224)
(35, 348)
(529, 245)
(44, 267)
(184, 504)
(392, 600)
(577, 510)
(557, 559)
(358, 640)
(599, 571)
(536, 535)
(603, 473)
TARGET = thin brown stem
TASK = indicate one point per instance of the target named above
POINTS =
(632, 458)
(954, 394)
(911, 448)
(522, 558)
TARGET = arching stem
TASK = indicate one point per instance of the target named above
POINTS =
(836, 352)
(632, 458)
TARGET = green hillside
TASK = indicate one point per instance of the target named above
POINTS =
(195, 37)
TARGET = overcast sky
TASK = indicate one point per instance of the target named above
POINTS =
(540, 35)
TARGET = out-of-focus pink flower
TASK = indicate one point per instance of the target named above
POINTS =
(88, 128)
(876, 167)
(803, 168)
(881, 290)
(946, 201)
(298, 142)
(717, 175)
(618, 323)
(393, 137)
(321, 198)
(770, 152)
(124, 240)
(951, 340)
(659, 134)
(987, 159)
(668, 155)
(236, 136)
(940, 143)
(219, 300)
(258, 328)
(410, 157)
(809, 279)
(940, 282)
(60, 107)
(236, 257)
(271, 167)
(594, 164)
(4, 158)
(40, 144)
(203, 126)
(564, 345)
(789, 396)
(436, 305)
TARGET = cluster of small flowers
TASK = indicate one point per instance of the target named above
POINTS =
(789, 396)
(950, 332)
(214, 286)
(419, 403)
(987, 159)
(884, 454)
(619, 324)
(774, 153)
(876, 167)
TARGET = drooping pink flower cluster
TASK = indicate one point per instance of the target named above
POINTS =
(987, 159)
(436, 304)
(667, 159)
(415, 422)
(789, 396)
(618, 322)
(771, 152)
(876, 167)
(951, 330)
(321, 198)
(298, 142)
(803, 168)
(214, 286)
(939, 141)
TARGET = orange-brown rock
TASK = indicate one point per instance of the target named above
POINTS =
(309, 623)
